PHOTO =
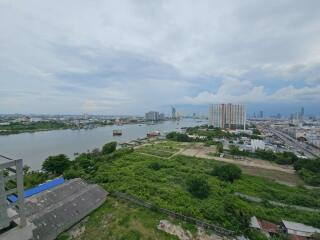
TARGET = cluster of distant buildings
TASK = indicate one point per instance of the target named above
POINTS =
(304, 132)
(155, 116)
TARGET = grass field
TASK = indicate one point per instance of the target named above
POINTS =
(287, 178)
(163, 149)
(119, 220)
(166, 187)
(163, 181)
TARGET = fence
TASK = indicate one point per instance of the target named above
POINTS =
(198, 222)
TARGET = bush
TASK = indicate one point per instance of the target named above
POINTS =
(155, 166)
(56, 164)
(309, 170)
(109, 147)
(198, 187)
(72, 173)
(227, 172)
(179, 137)
(219, 147)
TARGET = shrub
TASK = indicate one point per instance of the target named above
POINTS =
(109, 147)
(56, 164)
(198, 187)
(155, 166)
(179, 137)
(227, 172)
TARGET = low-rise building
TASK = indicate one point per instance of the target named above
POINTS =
(298, 230)
(257, 144)
(267, 228)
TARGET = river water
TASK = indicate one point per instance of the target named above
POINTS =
(34, 148)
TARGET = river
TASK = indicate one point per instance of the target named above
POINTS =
(34, 148)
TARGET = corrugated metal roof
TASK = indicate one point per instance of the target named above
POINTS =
(54, 211)
(299, 227)
(40, 188)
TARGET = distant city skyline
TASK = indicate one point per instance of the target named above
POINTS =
(109, 57)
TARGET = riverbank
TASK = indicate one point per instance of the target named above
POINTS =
(35, 147)
(40, 126)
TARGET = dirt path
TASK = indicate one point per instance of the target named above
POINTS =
(182, 234)
(258, 200)
(202, 152)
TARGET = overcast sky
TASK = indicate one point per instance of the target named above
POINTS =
(127, 57)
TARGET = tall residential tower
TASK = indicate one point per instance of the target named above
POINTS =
(231, 116)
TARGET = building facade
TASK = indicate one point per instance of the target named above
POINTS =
(173, 113)
(152, 116)
(231, 116)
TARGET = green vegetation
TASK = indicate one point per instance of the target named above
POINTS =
(198, 187)
(162, 149)
(219, 133)
(179, 137)
(14, 128)
(56, 164)
(184, 185)
(155, 166)
(227, 172)
(210, 133)
(309, 170)
(166, 183)
(120, 220)
(109, 147)
(219, 147)
(279, 158)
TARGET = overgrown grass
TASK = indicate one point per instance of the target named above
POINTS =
(166, 187)
(119, 220)
(163, 149)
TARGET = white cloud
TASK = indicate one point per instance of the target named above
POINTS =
(257, 94)
(130, 56)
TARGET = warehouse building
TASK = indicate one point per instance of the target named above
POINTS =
(48, 209)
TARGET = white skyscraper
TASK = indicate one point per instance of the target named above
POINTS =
(232, 116)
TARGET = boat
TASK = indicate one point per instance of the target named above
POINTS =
(153, 134)
(117, 132)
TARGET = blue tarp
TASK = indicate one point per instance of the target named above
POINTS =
(40, 188)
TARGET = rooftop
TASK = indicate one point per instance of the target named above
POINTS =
(300, 227)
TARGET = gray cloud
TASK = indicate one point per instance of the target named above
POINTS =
(131, 56)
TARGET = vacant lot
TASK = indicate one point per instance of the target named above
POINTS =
(281, 177)
(163, 149)
(256, 167)
(120, 220)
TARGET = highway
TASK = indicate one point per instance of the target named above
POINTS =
(309, 151)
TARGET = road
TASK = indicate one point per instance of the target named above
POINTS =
(309, 151)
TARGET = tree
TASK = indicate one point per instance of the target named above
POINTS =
(155, 166)
(219, 147)
(179, 137)
(198, 187)
(234, 150)
(26, 169)
(227, 172)
(109, 147)
(56, 164)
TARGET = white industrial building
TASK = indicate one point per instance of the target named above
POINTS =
(257, 144)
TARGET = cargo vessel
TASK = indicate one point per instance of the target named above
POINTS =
(117, 132)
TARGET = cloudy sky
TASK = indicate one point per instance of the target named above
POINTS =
(127, 57)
